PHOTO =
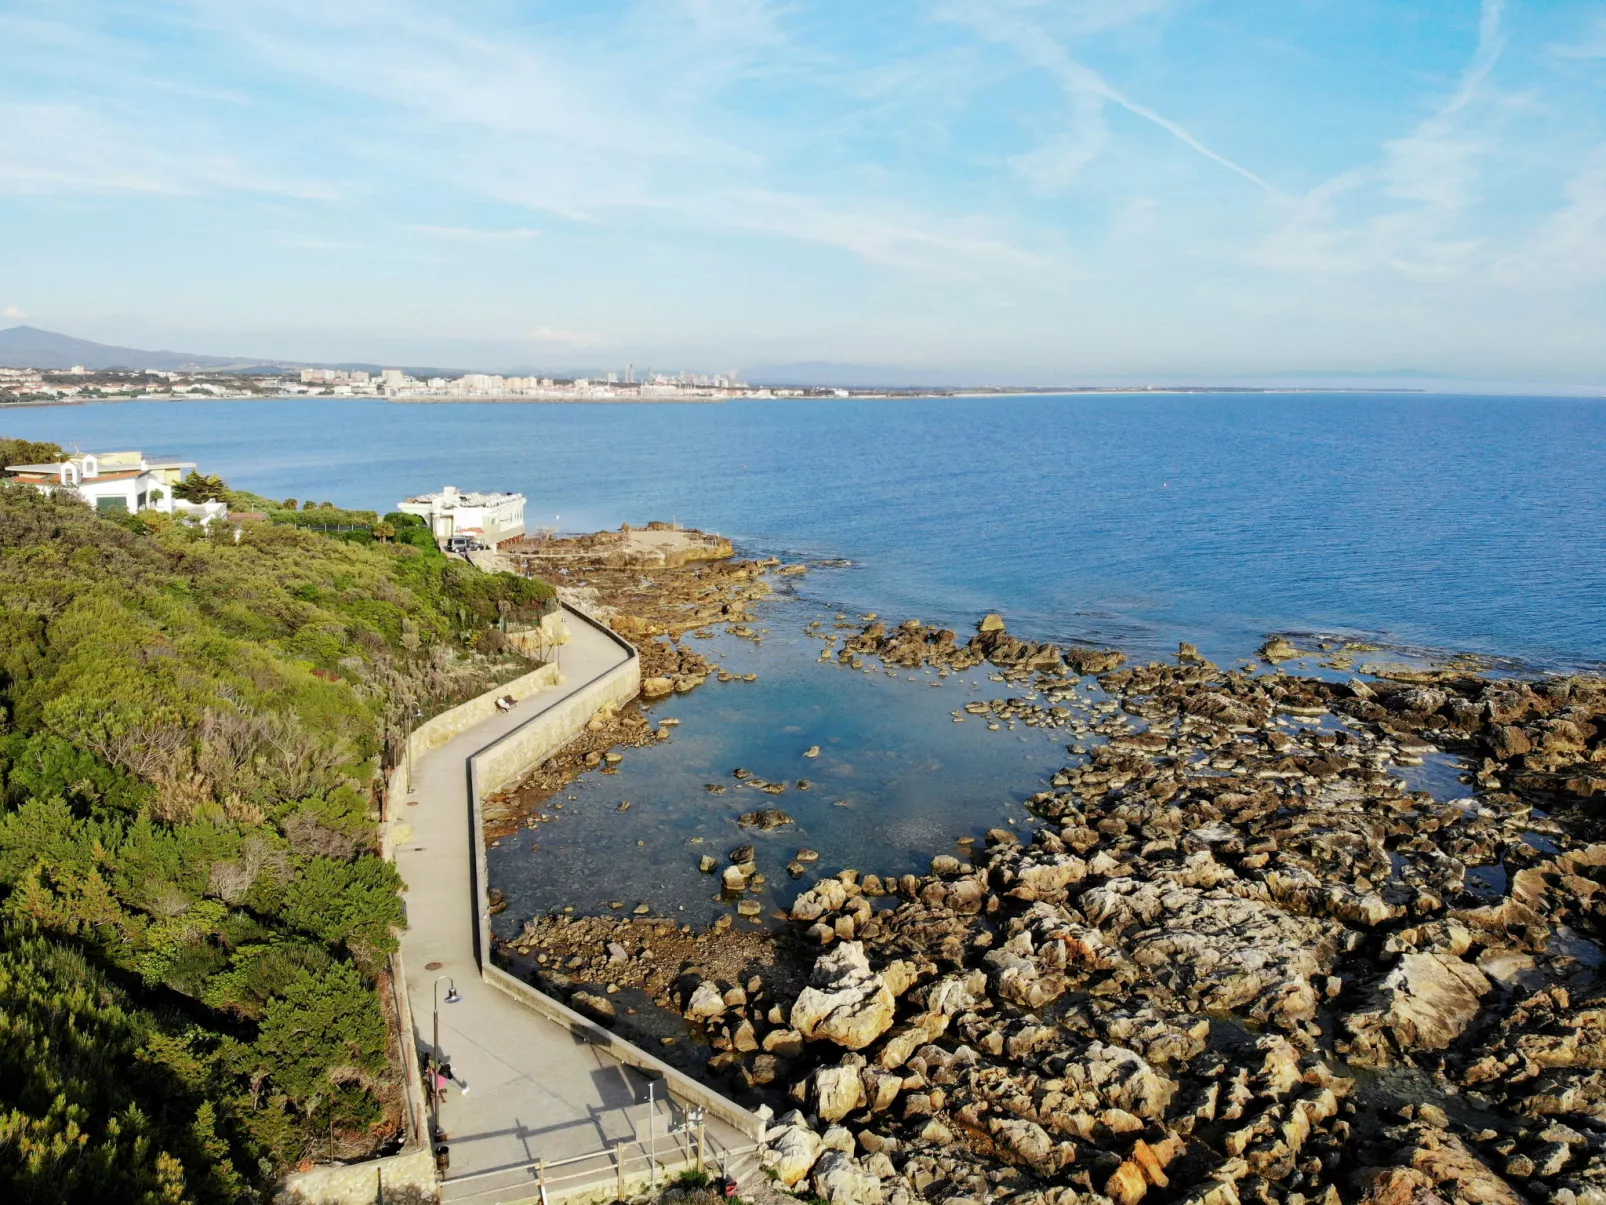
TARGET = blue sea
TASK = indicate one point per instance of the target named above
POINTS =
(1430, 524)
(1469, 524)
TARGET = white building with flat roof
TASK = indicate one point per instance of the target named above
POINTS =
(118, 481)
(489, 518)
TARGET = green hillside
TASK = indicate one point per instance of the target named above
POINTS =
(193, 921)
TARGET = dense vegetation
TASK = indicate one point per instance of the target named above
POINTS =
(193, 923)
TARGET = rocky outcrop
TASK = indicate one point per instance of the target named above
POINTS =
(1424, 1003)
(846, 1002)
(1227, 898)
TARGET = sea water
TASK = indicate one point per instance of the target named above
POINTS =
(1429, 523)
(895, 780)
(1470, 524)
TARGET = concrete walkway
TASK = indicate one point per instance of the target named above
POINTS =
(537, 1092)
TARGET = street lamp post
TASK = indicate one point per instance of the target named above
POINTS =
(452, 997)
(418, 714)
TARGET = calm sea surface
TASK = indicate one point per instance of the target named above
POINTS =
(1466, 524)
(1471, 524)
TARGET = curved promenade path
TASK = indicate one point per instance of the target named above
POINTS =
(537, 1090)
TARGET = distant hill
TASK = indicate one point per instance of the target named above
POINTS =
(30, 347)
(865, 376)
(877, 376)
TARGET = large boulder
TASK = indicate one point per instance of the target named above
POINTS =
(1092, 661)
(1278, 649)
(706, 1003)
(1120, 1079)
(826, 896)
(1018, 979)
(1425, 1003)
(1028, 1143)
(834, 1092)
(846, 1002)
(841, 1181)
(1223, 953)
(792, 1150)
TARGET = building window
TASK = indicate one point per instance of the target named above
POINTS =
(141, 503)
(111, 506)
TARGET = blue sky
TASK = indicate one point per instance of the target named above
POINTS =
(1070, 189)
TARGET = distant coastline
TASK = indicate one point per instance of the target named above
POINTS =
(581, 399)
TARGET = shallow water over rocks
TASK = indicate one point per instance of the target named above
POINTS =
(896, 780)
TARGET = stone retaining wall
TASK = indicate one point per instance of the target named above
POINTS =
(406, 1179)
(414, 1168)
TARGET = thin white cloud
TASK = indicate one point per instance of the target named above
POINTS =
(888, 237)
(468, 234)
(57, 148)
(999, 22)
(602, 139)
(1592, 46)
(563, 338)
(1569, 248)
(1430, 175)
(12, 311)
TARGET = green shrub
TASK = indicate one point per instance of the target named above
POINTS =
(93, 1106)
(351, 904)
(45, 765)
(190, 728)
(325, 1020)
(27, 451)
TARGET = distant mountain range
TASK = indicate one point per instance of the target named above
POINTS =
(878, 376)
(30, 347)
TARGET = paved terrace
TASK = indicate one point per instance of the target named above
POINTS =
(537, 1090)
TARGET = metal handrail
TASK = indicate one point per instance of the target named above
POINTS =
(616, 1160)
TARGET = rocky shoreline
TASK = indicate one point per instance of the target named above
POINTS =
(1237, 960)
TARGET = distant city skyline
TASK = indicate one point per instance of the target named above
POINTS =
(1004, 189)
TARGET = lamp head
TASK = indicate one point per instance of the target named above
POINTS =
(452, 995)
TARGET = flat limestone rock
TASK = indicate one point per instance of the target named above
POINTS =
(1223, 952)
(1425, 1002)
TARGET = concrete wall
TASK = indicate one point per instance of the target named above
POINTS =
(513, 755)
(517, 752)
(679, 1084)
(405, 1179)
(531, 743)
(431, 734)
(489, 769)
(437, 730)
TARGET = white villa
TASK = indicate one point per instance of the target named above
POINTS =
(119, 481)
(489, 518)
